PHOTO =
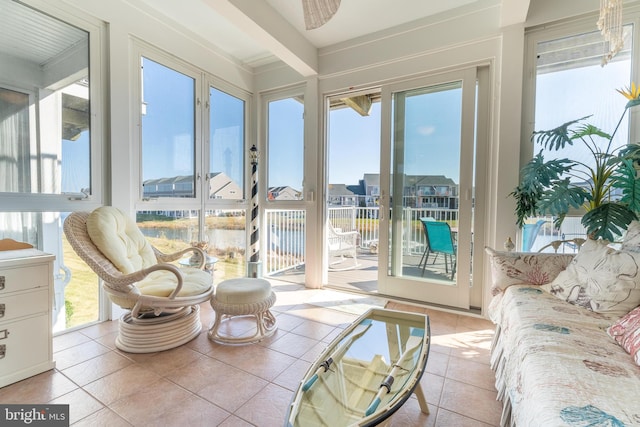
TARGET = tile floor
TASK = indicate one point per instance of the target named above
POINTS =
(203, 383)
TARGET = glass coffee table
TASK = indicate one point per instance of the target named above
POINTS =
(366, 373)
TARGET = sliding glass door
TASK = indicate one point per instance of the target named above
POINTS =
(427, 187)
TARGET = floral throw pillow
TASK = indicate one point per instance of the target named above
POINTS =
(519, 268)
(626, 332)
(601, 279)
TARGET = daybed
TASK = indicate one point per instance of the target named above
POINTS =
(565, 352)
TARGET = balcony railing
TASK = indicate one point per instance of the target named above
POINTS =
(286, 231)
(285, 239)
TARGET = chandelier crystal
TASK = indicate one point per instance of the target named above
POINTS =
(610, 25)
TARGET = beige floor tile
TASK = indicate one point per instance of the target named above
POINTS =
(290, 378)
(234, 421)
(199, 374)
(293, 345)
(470, 401)
(165, 362)
(108, 340)
(126, 382)
(101, 329)
(432, 388)
(287, 322)
(312, 354)
(81, 404)
(471, 372)
(157, 397)
(204, 383)
(437, 363)
(411, 415)
(98, 367)
(202, 344)
(38, 389)
(78, 354)
(268, 407)
(447, 418)
(71, 339)
(194, 412)
(103, 418)
(315, 330)
(262, 362)
(233, 389)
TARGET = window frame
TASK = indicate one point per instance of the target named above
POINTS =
(266, 98)
(203, 81)
(567, 28)
(97, 65)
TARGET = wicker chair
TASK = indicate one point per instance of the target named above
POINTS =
(162, 298)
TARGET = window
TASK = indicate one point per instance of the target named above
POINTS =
(285, 140)
(50, 143)
(569, 82)
(44, 116)
(226, 153)
(193, 148)
(168, 131)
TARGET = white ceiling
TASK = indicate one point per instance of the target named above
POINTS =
(219, 21)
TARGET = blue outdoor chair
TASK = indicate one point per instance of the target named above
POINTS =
(439, 241)
(530, 233)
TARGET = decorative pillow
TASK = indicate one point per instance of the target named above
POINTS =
(626, 331)
(119, 239)
(601, 279)
(631, 239)
(518, 268)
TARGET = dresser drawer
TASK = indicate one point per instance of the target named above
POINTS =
(25, 344)
(23, 304)
(23, 278)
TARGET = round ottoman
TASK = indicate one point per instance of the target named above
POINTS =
(242, 297)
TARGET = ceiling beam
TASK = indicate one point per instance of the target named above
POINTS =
(514, 12)
(269, 29)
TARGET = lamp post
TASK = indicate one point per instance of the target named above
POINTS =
(253, 266)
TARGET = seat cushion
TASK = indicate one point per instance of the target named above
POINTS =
(119, 239)
(243, 291)
(162, 283)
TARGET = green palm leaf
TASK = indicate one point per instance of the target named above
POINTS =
(562, 196)
(557, 138)
(589, 130)
(625, 179)
(538, 173)
(608, 220)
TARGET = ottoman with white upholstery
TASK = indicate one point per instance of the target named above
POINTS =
(243, 297)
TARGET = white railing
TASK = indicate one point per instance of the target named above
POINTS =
(286, 236)
(285, 239)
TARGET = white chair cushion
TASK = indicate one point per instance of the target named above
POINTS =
(243, 291)
(119, 239)
(162, 283)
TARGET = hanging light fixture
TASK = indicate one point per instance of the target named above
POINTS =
(610, 25)
(318, 12)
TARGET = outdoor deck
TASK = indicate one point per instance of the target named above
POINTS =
(364, 277)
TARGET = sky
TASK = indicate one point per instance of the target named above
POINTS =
(432, 137)
(432, 127)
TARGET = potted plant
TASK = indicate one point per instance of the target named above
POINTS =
(553, 187)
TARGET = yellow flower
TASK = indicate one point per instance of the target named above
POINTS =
(630, 93)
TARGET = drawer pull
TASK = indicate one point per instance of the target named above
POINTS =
(3, 350)
(2, 308)
(4, 334)
(2, 279)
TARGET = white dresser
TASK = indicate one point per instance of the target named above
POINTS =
(26, 299)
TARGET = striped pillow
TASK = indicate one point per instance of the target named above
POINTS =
(626, 331)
